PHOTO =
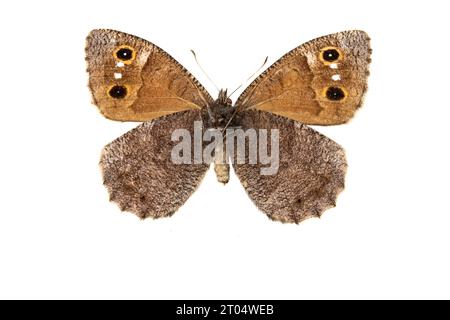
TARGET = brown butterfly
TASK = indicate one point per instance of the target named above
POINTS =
(321, 82)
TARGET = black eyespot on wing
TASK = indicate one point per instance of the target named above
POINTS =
(118, 92)
(330, 55)
(335, 94)
(125, 53)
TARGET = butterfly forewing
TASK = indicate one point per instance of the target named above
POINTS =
(131, 79)
(321, 82)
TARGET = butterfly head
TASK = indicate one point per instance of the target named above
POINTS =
(224, 99)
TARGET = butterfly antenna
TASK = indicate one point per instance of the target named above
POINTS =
(262, 66)
(236, 109)
(203, 70)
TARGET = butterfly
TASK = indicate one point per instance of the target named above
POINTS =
(321, 82)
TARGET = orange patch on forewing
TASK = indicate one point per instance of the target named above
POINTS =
(290, 78)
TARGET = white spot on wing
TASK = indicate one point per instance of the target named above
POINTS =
(333, 66)
(336, 77)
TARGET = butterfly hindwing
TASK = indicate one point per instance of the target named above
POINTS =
(131, 79)
(320, 82)
(310, 174)
(139, 173)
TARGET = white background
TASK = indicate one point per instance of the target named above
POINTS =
(388, 237)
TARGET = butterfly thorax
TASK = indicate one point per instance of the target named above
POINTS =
(220, 112)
